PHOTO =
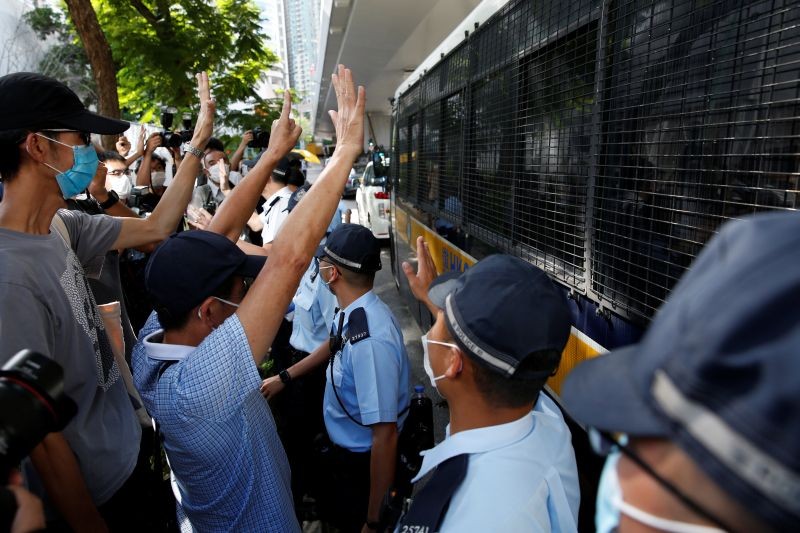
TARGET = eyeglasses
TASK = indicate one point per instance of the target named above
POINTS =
(120, 172)
(604, 443)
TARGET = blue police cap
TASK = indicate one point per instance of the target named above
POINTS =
(717, 371)
(502, 310)
(353, 247)
(187, 267)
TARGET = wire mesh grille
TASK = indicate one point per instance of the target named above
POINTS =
(700, 125)
(607, 160)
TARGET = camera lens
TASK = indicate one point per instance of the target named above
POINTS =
(32, 404)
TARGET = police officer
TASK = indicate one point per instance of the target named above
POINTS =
(366, 394)
(507, 463)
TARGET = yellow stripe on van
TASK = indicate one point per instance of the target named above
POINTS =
(449, 258)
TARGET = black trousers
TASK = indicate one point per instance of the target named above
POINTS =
(344, 498)
(298, 414)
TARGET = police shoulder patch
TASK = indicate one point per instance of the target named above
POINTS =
(357, 325)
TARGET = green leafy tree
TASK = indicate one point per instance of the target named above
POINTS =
(159, 44)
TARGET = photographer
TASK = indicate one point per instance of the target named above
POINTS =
(236, 158)
(45, 302)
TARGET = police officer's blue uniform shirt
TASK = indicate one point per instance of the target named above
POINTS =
(314, 307)
(371, 375)
(521, 475)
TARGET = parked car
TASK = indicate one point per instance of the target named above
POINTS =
(372, 202)
(352, 185)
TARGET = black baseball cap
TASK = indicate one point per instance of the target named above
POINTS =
(353, 247)
(501, 310)
(187, 267)
(717, 370)
(33, 101)
(284, 165)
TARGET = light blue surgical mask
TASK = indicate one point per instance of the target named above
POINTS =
(606, 519)
(76, 179)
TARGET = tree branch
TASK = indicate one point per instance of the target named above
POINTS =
(145, 12)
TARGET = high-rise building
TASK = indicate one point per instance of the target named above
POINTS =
(273, 16)
(302, 40)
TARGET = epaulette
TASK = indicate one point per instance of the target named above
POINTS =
(357, 326)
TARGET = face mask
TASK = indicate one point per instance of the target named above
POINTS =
(426, 361)
(606, 518)
(322, 279)
(213, 173)
(158, 178)
(661, 524)
(76, 179)
(120, 185)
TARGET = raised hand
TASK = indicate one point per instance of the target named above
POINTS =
(426, 273)
(285, 131)
(123, 145)
(205, 119)
(140, 143)
(224, 185)
(153, 142)
(348, 120)
(246, 138)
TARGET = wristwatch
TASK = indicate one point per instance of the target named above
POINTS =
(197, 152)
(286, 378)
(113, 198)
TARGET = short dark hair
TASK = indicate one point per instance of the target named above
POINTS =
(170, 322)
(501, 391)
(112, 155)
(215, 144)
(10, 156)
(161, 160)
(362, 280)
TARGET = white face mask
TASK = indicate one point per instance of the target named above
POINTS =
(213, 173)
(426, 361)
(120, 185)
(661, 524)
(158, 178)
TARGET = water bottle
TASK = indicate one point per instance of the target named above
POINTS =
(421, 415)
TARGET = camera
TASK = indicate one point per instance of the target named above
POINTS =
(260, 138)
(32, 404)
(135, 197)
(171, 139)
(210, 206)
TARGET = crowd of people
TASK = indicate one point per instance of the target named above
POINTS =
(699, 419)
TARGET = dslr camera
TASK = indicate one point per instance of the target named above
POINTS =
(260, 138)
(170, 139)
(32, 404)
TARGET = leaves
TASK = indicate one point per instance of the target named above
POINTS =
(158, 45)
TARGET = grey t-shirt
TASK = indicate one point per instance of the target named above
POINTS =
(46, 306)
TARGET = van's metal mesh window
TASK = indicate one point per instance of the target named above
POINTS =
(561, 132)
(700, 125)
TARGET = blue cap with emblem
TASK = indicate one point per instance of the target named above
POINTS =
(502, 310)
(716, 372)
(353, 247)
